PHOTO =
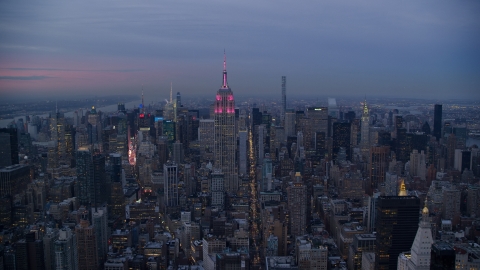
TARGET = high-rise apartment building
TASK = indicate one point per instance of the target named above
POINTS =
(65, 247)
(206, 134)
(396, 225)
(170, 176)
(378, 166)
(451, 202)
(267, 174)
(225, 135)
(242, 151)
(317, 122)
(289, 123)
(86, 246)
(437, 121)
(217, 190)
(297, 205)
(418, 166)
(178, 152)
(100, 223)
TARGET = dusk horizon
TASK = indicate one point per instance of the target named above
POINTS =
(325, 49)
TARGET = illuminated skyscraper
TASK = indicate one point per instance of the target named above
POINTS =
(365, 131)
(225, 135)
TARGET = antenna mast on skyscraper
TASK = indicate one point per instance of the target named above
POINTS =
(143, 106)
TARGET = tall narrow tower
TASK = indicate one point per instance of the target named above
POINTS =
(437, 121)
(225, 135)
(365, 131)
(297, 205)
(284, 97)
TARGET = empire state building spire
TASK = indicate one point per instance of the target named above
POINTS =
(225, 134)
(224, 84)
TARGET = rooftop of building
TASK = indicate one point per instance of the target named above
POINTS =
(12, 168)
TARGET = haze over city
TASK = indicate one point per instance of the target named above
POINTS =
(375, 48)
(188, 135)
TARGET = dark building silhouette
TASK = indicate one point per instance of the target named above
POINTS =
(349, 116)
(384, 138)
(442, 256)
(91, 178)
(466, 158)
(8, 147)
(14, 179)
(341, 138)
(437, 121)
(426, 128)
(397, 224)
(378, 166)
(402, 147)
(256, 117)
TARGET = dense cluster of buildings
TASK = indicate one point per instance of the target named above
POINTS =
(239, 186)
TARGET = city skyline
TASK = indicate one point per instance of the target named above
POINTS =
(378, 49)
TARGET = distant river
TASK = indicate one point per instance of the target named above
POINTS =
(110, 108)
(472, 141)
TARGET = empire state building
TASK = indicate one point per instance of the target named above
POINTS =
(225, 135)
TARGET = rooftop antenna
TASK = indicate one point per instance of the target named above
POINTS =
(225, 84)
(143, 106)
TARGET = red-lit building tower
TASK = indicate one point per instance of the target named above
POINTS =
(225, 136)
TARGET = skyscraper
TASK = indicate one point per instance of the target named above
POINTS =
(99, 220)
(217, 190)
(421, 248)
(225, 135)
(284, 97)
(206, 134)
(242, 151)
(86, 246)
(396, 224)
(365, 131)
(170, 174)
(378, 165)
(317, 122)
(178, 100)
(297, 205)
(8, 147)
(289, 125)
(91, 179)
(66, 250)
(437, 121)
(341, 138)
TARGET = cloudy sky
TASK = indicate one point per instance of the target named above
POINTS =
(325, 48)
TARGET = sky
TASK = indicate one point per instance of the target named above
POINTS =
(342, 48)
